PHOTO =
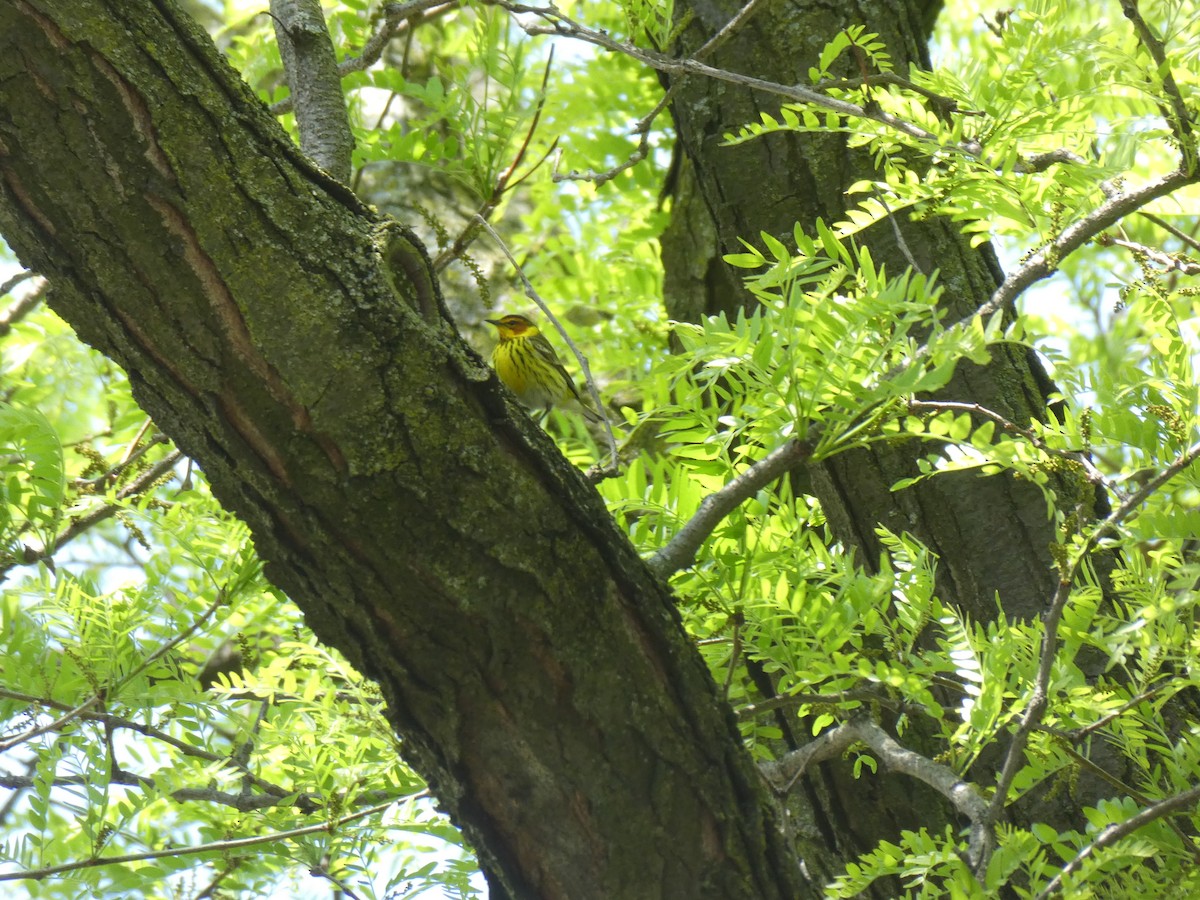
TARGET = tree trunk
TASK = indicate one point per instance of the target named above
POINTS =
(991, 535)
(296, 347)
(771, 184)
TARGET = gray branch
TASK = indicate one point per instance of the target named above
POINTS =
(312, 75)
(965, 797)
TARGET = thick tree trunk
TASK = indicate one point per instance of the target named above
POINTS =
(991, 535)
(295, 346)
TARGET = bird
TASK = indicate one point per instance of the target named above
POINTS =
(528, 364)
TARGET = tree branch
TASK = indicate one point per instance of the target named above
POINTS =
(782, 775)
(311, 70)
(1046, 261)
(397, 17)
(223, 847)
(1113, 833)
(79, 525)
(1179, 116)
(21, 307)
(681, 550)
(1039, 696)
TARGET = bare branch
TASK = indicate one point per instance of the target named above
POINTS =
(783, 774)
(681, 551)
(397, 18)
(21, 307)
(965, 797)
(316, 88)
(6, 287)
(642, 128)
(561, 25)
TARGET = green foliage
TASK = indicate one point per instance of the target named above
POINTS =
(125, 615)
(110, 641)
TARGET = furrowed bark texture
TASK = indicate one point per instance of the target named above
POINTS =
(991, 535)
(294, 345)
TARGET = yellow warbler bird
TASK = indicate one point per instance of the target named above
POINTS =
(527, 363)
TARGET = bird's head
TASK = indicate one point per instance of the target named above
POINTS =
(513, 326)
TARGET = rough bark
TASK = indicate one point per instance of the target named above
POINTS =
(991, 535)
(769, 185)
(295, 345)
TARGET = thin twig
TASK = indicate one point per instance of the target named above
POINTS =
(729, 29)
(734, 652)
(78, 526)
(502, 186)
(583, 363)
(223, 847)
(1169, 262)
(642, 150)
(22, 306)
(1093, 475)
(1183, 236)
(1039, 695)
(873, 693)
(133, 452)
(1078, 734)
(1113, 833)
(642, 128)
(1179, 117)
(57, 724)
(941, 102)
